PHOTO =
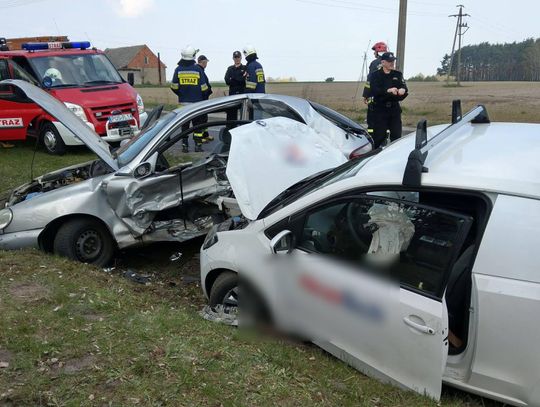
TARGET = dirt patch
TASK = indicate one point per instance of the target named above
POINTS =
(29, 292)
(5, 356)
(72, 366)
(93, 317)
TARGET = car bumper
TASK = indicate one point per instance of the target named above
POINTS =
(205, 264)
(20, 240)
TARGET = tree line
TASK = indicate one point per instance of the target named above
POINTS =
(517, 61)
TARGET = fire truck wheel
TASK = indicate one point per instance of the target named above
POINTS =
(51, 139)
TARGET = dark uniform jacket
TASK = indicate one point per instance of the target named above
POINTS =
(255, 81)
(209, 91)
(380, 82)
(374, 66)
(189, 82)
(234, 77)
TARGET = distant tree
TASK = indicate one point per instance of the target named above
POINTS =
(416, 78)
(329, 79)
(445, 63)
(422, 78)
(517, 61)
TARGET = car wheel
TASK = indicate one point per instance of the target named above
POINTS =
(224, 291)
(85, 240)
(51, 139)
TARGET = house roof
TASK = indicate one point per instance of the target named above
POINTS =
(121, 57)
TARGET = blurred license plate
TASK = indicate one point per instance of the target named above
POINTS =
(120, 118)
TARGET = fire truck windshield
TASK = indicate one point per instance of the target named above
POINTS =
(76, 70)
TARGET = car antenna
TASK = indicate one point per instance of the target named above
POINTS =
(412, 177)
(33, 157)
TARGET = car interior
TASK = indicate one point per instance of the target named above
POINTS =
(406, 235)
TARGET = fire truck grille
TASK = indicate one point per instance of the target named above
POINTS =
(102, 113)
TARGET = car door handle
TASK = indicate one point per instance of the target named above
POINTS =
(422, 328)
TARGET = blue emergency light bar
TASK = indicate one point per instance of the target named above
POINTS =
(38, 46)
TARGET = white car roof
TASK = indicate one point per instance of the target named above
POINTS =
(498, 157)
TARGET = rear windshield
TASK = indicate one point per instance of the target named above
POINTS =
(76, 70)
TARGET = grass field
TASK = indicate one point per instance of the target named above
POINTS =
(505, 101)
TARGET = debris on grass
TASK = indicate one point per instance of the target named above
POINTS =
(220, 314)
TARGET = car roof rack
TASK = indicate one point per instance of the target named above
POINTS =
(412, 177)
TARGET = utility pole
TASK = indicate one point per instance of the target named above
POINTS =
(457, 35)
(402, 27)
(159, 67)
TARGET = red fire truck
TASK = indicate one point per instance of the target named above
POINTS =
(83, 79)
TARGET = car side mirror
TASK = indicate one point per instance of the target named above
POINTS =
(284, 241)
(142, 170)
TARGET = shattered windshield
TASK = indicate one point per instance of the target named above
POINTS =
(76, 70)
(127, 152)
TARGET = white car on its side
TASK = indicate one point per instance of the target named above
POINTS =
(452, 218)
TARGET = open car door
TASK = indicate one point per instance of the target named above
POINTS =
(366, 282)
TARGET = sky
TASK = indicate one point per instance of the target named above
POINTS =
(306, 39)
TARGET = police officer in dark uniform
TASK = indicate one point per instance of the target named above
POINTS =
(235, 76)
(388, 88)
(190, 84)
(379, 48)
(255, 80)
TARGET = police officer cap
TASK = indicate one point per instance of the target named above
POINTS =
(202, 58)
(388, 56)
(236, 54)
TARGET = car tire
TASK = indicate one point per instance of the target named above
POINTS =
(51, 139)
(85, 240)
(224, 291)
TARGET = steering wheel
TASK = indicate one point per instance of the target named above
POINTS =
(355, 222)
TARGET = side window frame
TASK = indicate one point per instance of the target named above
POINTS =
(251, 109)
(296, 224)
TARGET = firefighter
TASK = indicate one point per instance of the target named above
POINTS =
(388, 88)
(255, 81)
(235, 76)
(379, 48)
(202, 61)
(190, 85)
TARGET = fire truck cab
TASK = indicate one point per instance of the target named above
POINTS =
(83, 79)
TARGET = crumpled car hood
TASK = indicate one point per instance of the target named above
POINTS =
(269, 156)
(65, 116)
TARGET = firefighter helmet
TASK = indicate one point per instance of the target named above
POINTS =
(54, 74)
(249, 50)
(189, 52)
(380, 47)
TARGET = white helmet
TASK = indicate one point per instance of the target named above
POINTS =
(249, 49)
(189, 53)
(54, 74)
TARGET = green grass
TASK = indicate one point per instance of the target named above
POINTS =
(75, 335)
(16, 162)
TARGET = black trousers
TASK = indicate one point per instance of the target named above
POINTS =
(386, 119)
(197, 134)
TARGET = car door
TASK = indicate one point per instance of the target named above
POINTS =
(16, 111)
(366, 281)
(167, 181)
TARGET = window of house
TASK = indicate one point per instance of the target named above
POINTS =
(145, 60)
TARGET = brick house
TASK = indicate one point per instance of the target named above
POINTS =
(138, 61)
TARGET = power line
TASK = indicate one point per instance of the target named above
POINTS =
(17, 3)
(343, 4)
(458, 34)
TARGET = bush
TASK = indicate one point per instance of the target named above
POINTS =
(329, 79)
